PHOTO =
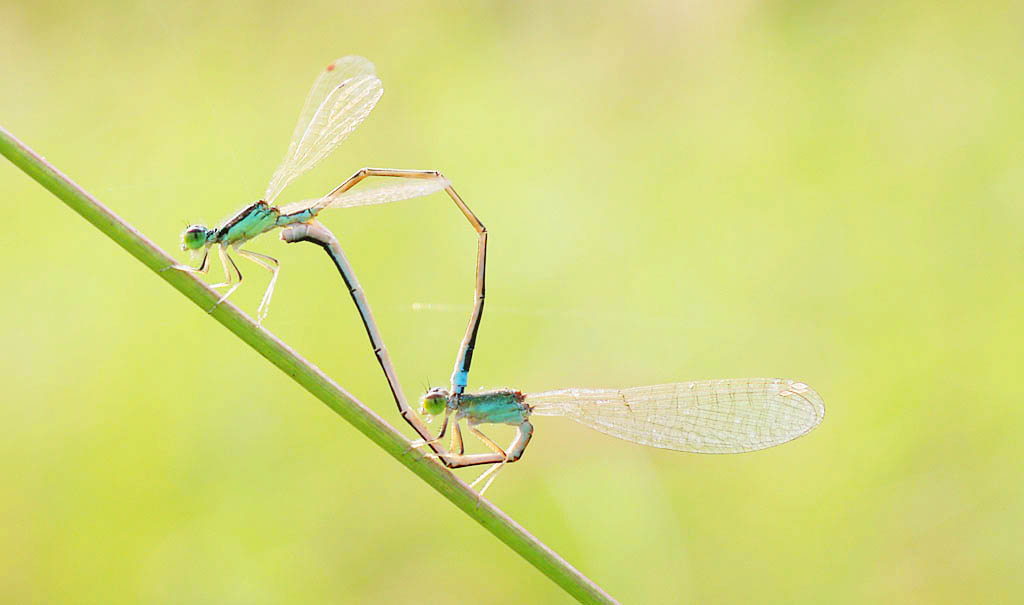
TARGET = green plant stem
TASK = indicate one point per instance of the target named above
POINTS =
(305, 373)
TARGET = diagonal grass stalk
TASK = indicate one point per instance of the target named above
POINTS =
(305, 374)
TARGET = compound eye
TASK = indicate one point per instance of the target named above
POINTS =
(194, 237)
(433, 403)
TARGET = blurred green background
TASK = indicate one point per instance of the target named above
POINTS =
(822, 191)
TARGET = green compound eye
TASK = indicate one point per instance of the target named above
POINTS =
(433, 403)
(194, 237)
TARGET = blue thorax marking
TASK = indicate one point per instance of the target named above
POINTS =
(253, 220)
(221, 234)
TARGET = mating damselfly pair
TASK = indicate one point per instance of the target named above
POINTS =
(711, 416)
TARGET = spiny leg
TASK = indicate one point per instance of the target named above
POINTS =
(455, 445)
(524, 432)
(421, 442)
(495, 468)
(460, 375)
(488, 442)
(225, 258)
(496, 458)
(222, 254)
(495, 447)
(204, 266)
(256, 257)
(457, 440)
(493, 472)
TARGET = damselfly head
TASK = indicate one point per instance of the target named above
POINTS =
(434, 402)
(194, 237)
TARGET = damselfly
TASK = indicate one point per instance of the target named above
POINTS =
(717, 416)
(341, 98)
(708, 417)
(705, 417)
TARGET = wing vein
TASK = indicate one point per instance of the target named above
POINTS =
(713, 416)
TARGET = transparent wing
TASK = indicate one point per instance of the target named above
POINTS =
(399, 190)
(341, 98)
(709, 417)
(334, 74)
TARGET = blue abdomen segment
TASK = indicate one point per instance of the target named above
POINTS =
(298, 217)
(494, 407)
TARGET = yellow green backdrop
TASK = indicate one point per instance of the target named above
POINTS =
(822, 191)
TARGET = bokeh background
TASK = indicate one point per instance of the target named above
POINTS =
(824, 191)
